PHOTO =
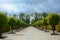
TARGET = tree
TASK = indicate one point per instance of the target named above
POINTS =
(14, 15)
(39, 23)
(53, 19)
(23, 24)
(44, 14)
(12, 23)
(3, 22)
(36, 16)
(45, 23)
(39, 16)
(18, 24)
(42, 24)
(22, 16)
(27, 19)
(32, 21)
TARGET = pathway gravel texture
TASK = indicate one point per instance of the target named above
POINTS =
(31, 33)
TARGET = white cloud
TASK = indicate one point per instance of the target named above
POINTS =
(44, 8)
(9, 7)
(17, 6)
(4, 1)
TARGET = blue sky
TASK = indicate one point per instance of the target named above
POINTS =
(29, 6)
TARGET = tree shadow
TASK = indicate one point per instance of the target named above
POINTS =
(46, 31)
(7, 39)
(3, 37)
(11, 33)
(56, 34)
(18, 34)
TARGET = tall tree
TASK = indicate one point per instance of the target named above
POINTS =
(36, 16)
(28, 19)
(44, 14)
(45, 23)
(14, 15)
(53, 19)
(3, 21)
(22, 17)
(12, 23)
(18, 24)
(39, 16)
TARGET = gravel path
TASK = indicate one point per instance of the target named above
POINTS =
(31, 33)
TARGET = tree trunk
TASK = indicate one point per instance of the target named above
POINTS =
(0, 32)
(46, 28)
(0, 35)
(53, 28)
(17, 29)
(39, 27)
(12, 29)
(42, 28)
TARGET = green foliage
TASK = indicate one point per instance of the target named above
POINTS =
(6, 29)
(22, 16)
(44, 14)
(23, 24)
(8, 23)
(12, 21)
(44, 22)
(3, 19)
(27, 19)
(14, 15)
(3, 22)
(53, 19)
(18, 24)
(38, 23)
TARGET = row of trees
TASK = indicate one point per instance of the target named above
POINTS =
(27, 17)
(52, 19)
(24, 17)
(8, 23)
(38, 16)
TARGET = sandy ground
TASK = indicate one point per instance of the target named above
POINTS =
(31, 33)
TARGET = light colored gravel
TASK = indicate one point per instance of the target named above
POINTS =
(31, 33)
